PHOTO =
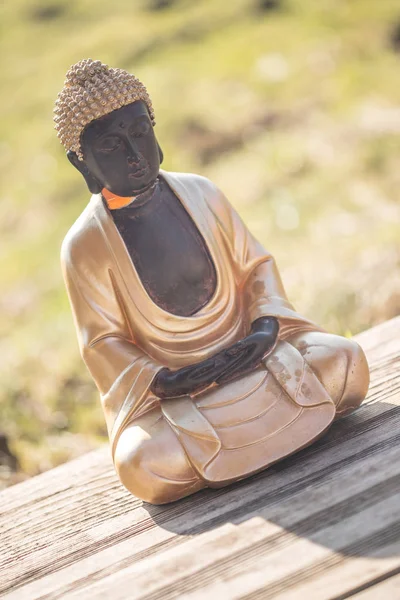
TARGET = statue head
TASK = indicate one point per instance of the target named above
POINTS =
(105, 120)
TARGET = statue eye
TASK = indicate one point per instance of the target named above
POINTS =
(110, 145)
(140, 129)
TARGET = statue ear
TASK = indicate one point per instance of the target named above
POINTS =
(92, 183)
(160, 153)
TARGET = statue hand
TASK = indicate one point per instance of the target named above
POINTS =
(240, 358)
(250, 351)
(187, 380)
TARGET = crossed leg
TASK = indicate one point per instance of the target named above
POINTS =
(151, 462)
(340, 365)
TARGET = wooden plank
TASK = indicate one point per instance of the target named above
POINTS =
(295, 512)
(256, 559)
(389, 589)
(327, 514)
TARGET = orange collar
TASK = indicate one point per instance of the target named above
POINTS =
(114, 201)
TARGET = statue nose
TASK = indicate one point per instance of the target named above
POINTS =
(134, 155)
(133, 160)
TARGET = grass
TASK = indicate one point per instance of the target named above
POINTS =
(291, 111)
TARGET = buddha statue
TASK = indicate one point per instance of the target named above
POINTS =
(206, 372)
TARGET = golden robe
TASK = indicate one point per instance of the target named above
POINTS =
(164, 450)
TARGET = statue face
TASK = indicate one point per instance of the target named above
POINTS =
(120, 150)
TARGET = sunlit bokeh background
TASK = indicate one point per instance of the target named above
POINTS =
(291, 106)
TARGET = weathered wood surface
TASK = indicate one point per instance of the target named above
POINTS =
(324, 524)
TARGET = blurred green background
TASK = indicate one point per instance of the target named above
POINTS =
(291, 107)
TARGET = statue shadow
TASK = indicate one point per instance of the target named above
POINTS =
(340, 493)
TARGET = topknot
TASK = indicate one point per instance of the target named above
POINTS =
(92, 90)
(84, 70)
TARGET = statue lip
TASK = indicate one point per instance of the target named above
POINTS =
(138, 173)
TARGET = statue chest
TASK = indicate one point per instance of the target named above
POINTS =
(168, 252)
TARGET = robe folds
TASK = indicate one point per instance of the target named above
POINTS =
(226, 432)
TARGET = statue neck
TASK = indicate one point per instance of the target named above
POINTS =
(114, 202)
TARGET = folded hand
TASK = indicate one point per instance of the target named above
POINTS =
(232, 362)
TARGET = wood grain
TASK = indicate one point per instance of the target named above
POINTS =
(322, 524)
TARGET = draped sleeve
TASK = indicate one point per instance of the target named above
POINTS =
(122, 372)
(255, 269)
